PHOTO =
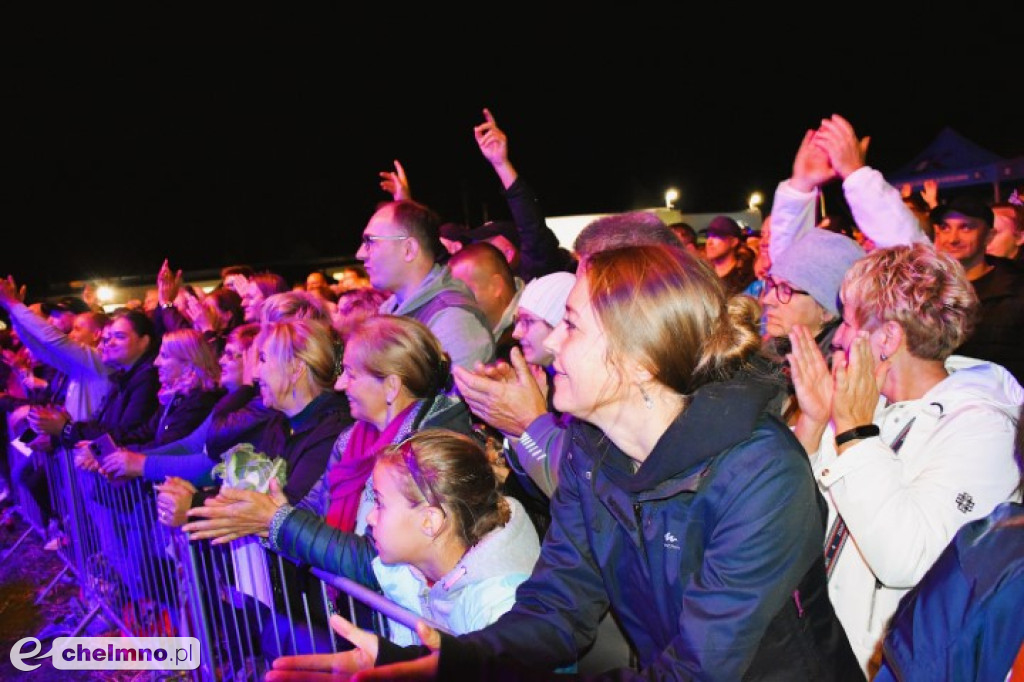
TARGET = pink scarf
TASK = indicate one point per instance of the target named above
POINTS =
(347, 478)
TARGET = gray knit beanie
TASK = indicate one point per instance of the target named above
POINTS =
(816, 263)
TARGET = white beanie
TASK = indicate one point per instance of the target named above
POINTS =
(545, 296)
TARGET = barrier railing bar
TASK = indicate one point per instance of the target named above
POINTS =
(376, 601)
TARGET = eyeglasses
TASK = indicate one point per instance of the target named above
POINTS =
(783, 291)
(526, 321)
(371, 239)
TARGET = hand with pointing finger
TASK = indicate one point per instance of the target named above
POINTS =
(493, 145)
(396, 183)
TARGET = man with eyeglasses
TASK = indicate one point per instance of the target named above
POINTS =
(400, 251)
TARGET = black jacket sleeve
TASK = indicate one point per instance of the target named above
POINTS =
(539, 251)
(177, 420)
(239, 417)
(124, 415)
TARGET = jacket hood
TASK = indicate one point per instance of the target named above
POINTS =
(973, 381)
(719, 416)
(447, 412)
(481, 582)
(512, 548)
(437, 280)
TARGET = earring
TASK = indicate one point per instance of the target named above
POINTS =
(648, 403)
(883, 357)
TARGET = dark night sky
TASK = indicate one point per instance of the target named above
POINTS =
(258, 137)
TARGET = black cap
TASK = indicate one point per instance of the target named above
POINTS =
(724, 226)
(965, 206)
(494, 228)
(456, 232)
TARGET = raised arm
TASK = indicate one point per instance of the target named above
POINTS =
(539, 250)
(493, 145)
(795, 203)
(396, 183)
(877, 207)
(47, 343)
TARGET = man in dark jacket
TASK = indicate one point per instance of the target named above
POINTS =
(963, 227)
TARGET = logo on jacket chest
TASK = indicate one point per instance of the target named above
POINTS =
(671, 541)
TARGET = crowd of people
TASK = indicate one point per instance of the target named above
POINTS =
(790, 453)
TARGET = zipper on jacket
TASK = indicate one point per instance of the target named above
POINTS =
(638, 513)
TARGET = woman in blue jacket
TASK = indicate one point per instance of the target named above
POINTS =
(683, 504)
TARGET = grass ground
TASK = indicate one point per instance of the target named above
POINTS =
(24, 574)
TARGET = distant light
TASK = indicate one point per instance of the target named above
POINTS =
(207, 289)
(755, 200)
(104, 294)
(671, 196)
(338, 276)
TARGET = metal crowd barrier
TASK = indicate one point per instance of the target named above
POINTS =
(245, 604)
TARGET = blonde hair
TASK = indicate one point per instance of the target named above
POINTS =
(191, 348)
(312, 342)
(389, 344)
(926, 292)
(288, 304)
(666, 307)
(451, 471)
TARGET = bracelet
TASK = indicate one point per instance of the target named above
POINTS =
(857, 433)
(65, 433)
(276, 521)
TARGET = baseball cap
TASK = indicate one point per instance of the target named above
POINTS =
(965, 206)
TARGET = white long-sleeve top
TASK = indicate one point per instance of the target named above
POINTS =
(902, 508)
(88, 381)
(876, 206)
